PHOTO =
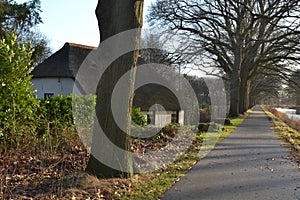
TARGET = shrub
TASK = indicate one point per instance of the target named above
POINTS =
(58, 109)
(138, 118)
(61, 112)
(18, 105)
(171, 129)
(84, 109)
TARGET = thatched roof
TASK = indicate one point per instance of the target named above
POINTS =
(66, 62)
(63, 63)
(151, 94)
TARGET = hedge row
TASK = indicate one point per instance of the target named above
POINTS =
(56, 114)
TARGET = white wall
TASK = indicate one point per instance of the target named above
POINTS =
(181, 117)
(165, 117)
(63, 86)
(162, 118)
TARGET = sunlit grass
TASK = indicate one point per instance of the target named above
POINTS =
(288, 134)
(228, 129)
(154, 185)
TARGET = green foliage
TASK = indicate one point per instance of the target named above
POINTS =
(138, 118)
(17, 106)
(22, 19)
(171, 128)
(58, 109)
(19, 17)
(83, 110)
(61, 112)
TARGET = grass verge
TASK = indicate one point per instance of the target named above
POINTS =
(154, 185)
(289, 135)
(228, 129)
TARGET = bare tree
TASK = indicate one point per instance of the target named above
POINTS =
(239, 37)
(114, 17)
(265, 88)
(294, 84)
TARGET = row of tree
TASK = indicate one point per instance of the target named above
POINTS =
(253, 43)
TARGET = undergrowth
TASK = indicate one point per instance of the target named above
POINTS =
(52, 167)
(48, 160)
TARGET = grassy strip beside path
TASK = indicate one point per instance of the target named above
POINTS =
(286, 133)
(154, 185)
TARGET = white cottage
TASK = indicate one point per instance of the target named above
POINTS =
(56, 75)
(159, 104)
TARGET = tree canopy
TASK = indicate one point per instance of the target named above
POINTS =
(22, 19)
(240, 38)
(18, 18)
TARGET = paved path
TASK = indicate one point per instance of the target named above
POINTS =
(249, 164)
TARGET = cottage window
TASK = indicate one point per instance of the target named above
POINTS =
(151, 117)
(174, 117)
(48, 95)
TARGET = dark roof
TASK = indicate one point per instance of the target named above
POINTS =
(151, 94)
(63, 63)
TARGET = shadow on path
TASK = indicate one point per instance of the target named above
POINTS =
(249, 164)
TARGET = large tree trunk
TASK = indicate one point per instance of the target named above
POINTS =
(236, 72)
(234, 95)
(235, 83)
(247, 95)
(115, 16)
(244, 95)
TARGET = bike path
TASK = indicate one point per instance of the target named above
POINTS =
(251, 163)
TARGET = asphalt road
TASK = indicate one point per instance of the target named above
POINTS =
(252, 163)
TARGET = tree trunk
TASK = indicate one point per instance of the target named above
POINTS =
(236, 72)
(115, 16)
(244, 102)
(248, 88)
(235, 83)
(234, 94)
(242, 97)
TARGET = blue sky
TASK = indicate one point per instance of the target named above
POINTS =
(70, 21)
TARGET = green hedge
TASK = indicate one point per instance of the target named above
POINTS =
(61, 112)
(55, 115)
(67, 111)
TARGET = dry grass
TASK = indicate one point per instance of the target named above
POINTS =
(287, 129)
(36, 166)
(293, 123)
